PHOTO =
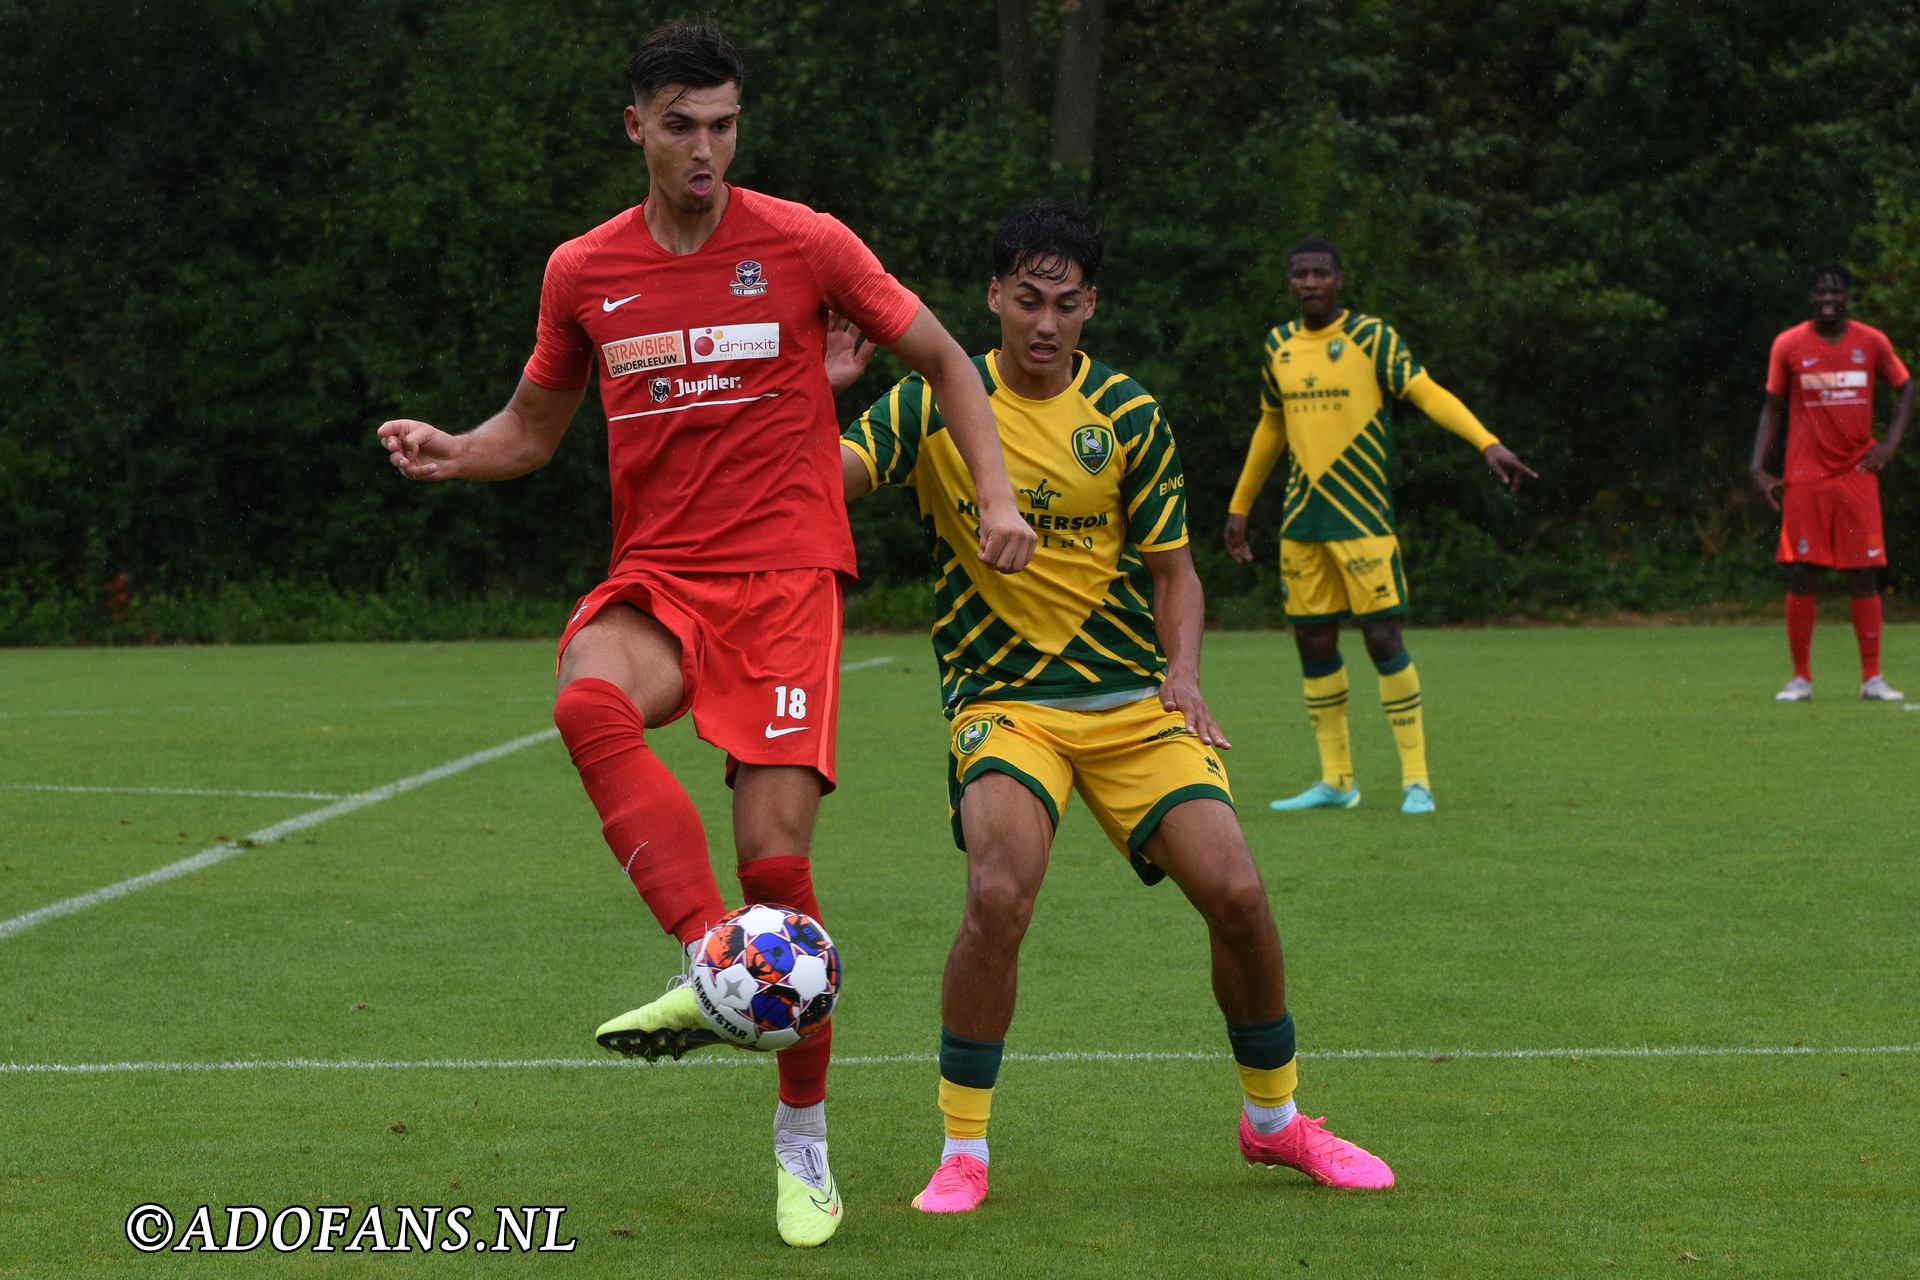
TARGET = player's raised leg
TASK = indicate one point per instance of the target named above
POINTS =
(1325, 678)
(1008, 830)
(1200, 846)
(774, 808)
(619, 673)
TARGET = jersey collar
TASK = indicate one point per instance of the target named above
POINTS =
(1081, 364)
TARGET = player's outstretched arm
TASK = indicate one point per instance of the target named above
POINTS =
(1765, 481)
(1447, 412)
(1263, 454)
(1883, 449)
(520, 438)
(1179, 619)
(1006, 541)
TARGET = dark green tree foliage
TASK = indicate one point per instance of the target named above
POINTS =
(237, 235)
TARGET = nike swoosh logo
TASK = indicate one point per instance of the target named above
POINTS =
(781, 733)
(610, 304)
(1803, 364)
(826, 1206)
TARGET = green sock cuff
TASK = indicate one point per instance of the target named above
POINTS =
(972, 1063)
(1395, 665)
(1314, 668)
(1263, 1047)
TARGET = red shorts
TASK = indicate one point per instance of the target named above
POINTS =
(759, 657)
(1834, 523)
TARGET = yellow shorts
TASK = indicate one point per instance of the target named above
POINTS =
(1350, 578)
(1131, 764)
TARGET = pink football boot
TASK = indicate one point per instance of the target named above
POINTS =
(1304, 1145)
(957, 1186)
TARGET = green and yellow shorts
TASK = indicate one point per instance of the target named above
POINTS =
(1349, 578)
(1131, 764)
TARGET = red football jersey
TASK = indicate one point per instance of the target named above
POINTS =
(1828, 387)
(722, 442)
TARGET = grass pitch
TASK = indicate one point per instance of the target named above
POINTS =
(1640, 994)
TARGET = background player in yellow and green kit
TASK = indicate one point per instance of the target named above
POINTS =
(1082, 675)
(1328, 385)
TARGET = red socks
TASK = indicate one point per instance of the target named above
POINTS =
(1866, 630)
(1800, 615)
(646, 815)
(655, 832)
(789, 881)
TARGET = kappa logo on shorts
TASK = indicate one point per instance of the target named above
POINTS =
(972, 736)
(1092, 446)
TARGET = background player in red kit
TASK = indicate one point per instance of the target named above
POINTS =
(704, 310)
(1823, 370)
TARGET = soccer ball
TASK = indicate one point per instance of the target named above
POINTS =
(766, 976)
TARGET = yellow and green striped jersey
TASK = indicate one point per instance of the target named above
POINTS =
(1337, 387)
(1095, 472)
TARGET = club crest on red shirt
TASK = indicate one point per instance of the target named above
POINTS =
(749, 279)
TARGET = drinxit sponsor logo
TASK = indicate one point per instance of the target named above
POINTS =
(734, 342)
(649, 351)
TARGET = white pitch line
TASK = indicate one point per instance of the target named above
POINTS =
(205, 708)
(171, 791)
(266, 835)
(922, 1059)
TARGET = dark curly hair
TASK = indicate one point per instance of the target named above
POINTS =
(1047, 238)
(1832, 270)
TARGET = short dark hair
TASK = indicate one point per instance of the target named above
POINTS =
(1837, 270)
(1314, 244)
(692, 55)
(1046, 237)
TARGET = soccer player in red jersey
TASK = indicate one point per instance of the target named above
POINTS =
(705, 311)
(1823, 372)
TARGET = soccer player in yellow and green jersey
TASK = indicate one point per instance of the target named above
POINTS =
(1079, 674)
(1328, 386)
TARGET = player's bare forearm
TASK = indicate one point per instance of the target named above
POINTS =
(1883, 449)
(1902, 414)
(854, 480)
(1763, 437)
(520, 438)
(1179, 621)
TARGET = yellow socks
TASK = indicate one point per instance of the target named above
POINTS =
(1400, 699)
(1326, 686)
